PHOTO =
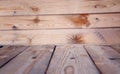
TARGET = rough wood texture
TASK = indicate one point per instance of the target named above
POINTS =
(8, 52)
(64, 36)
(106, 59)
(116, 47)
(37, 7)
(71, 60)
(64, 59)
(34, 60)
(60, 21)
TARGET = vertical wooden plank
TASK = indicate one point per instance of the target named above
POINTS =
(71, 59)
(106, 59)
(8, 52)
(34, 60)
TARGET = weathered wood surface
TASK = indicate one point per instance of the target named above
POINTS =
(63, 36)
(116, 47)
(33, 60)
(64, 59)
(60, 21)
(71, 59)
(38, 7)
(106, 59)
(9, 52)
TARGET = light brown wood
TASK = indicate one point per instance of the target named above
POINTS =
(116, 47)
(37, 7)
(9, 52)
(106, 59)
(34, 60)
(60, 21)
(64, 36)
(71, 59)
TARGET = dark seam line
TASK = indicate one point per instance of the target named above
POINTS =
(92, 60)
(58, 14)
(50, 59)
(12, 58)
(94, 28)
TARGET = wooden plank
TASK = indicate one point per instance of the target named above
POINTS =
(34, 60)
(62, 36)
(106, 59)
(71, 59)
(8, 52)
(111, 36)
(38, 7)
(116, 47)
(60, 21)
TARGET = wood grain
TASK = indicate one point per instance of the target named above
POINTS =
(116, 47)
(38, 7)
(71, 59)
(60, 21)
(106, 59)
(9, 52)
(34, 60)
(64, 36)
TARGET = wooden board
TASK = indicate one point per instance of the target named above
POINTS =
(63, 36)
(34, 60)
(38, 7)
(116, 47)
(9, 52)
(71, 60)
(60, 21)
(106, 59)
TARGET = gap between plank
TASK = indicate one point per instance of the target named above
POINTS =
(50, 60)
(92, 60)
(95, 28)
(12, 58)
(58, 14)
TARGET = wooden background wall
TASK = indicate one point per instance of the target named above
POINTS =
(34, 22)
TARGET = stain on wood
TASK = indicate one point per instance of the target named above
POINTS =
(36, 20)
(69, 70)
(30, 40)
(8, 24)
(77, 39)
(81, 20)
(34, 9)
(100, 6)
(12, 8)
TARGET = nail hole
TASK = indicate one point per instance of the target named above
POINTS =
(97, 18)
(14, 27)
(1, 46)
(14, 12)
(34, 57)
(72, 58)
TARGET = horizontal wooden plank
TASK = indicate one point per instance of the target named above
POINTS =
(38, 7)
(60, 21)
(106, 59)
(8, 52)
(71, 59)
(62, 36)
(34, 60)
